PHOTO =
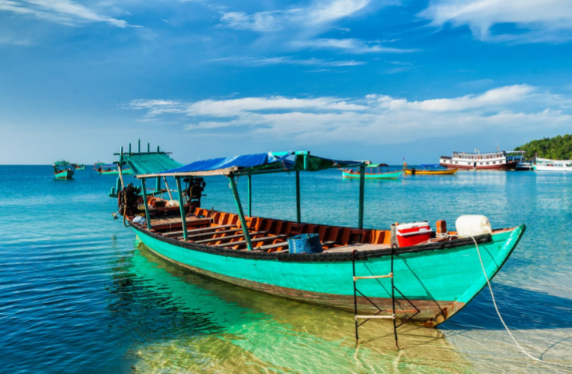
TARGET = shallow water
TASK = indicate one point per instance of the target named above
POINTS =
(79, 295)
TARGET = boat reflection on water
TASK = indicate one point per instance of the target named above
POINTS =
(232, 329)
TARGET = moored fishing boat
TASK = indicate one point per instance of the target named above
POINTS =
(438, 275)
(79, 167)
(372, 171)
(428, 169)
(63, 170)
(545, 164)
(111, 169)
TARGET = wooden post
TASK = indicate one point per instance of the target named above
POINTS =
(182, 208)
(298, 213)
(168, 189)
(119, 167)
(129, 148)
(240, 213)
(148, 218)
(249, 195)
(138, 145)
(148, 148)
(361, 194)
(158, 186)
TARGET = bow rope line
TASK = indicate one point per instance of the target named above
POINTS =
(502, 320)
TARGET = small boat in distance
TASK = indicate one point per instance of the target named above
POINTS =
(372, 171)
(110, 169)
(545, 164)
(428, 169)
(63, 170)
(79, 167)
(500, 160)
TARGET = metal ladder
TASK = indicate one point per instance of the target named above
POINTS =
(377, 315)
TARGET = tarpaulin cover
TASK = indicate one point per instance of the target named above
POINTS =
(279, 161)
(150, 163)
(222, 163)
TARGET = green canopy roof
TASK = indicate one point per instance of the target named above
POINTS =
(149, 163)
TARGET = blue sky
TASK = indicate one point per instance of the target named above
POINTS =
(378, 80)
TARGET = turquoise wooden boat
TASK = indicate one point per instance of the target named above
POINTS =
(436, 279)
(79, 167)
(63, 170)
(111, 169)
(372, 171)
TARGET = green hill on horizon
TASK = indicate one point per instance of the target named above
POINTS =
(557, 148)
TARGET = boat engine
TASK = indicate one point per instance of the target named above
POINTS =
(128, 199)
(194, 191)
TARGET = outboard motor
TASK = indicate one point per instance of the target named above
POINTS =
(128, 199)
(194, 191)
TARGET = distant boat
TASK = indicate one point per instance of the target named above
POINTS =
(63, 170)
(500, 160)
(372, 171)
(110, 169)
(428, 169)
(545, 164)
(79, 167)
(525, 165)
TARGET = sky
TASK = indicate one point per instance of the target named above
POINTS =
(379, 80)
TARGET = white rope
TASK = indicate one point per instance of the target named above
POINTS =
(502, 320)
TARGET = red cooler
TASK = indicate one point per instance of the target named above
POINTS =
(409, 234)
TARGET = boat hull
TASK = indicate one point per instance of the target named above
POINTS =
(390, 175)
(502, 167)
(431, 172)
(439, 281)
(64, 174)
(114, 172)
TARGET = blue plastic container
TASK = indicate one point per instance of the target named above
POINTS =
(305, 243)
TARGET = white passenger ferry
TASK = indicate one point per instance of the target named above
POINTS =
(544, 164)
(500, 160)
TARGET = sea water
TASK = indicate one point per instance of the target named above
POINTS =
(78, 294)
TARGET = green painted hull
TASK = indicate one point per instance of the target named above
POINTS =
(64, 174)
(115, 172)
(80, 168)
(439, 282)
(390, 175)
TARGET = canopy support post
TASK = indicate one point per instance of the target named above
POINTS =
(361, 194)
(147, 217)
(240, 213)
(158, 186)
(119, 166)
(168, 189)
(249, 195)
(298, 213)
(181, 207)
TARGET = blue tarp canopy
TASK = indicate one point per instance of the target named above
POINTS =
(256, 163)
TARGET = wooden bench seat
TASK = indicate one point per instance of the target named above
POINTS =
(255, 240)
(268, 247)
(204, 229)
(229, 237)
(210, 233)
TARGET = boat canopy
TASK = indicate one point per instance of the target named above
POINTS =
(62, 163)
(377, 165)
(149, 163)
(257, 163)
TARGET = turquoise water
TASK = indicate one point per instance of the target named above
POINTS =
(79, 295)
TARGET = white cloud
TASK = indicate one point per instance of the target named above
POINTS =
(286, 60)
(541, 20)
(351, 45)
(64, 12)
(319, 13)
(383, 118)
